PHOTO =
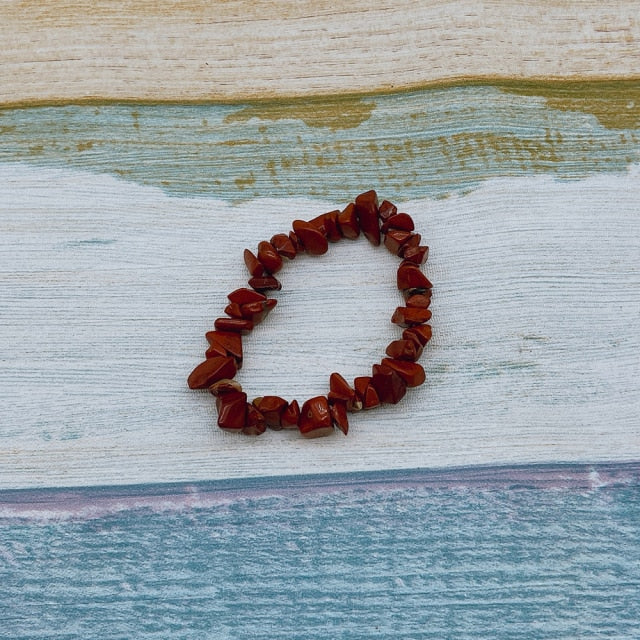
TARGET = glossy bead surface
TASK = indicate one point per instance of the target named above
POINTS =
(386, 210)
(367, 212)
(233, 324)
(232, 411)
(402, 221)
(421, 332)
(315, 418)
(396, 239)
(348, 222)
(212, 370)
(390, 386)
(313, 241)
(418, 255)
(233, 310)
(404, 350)
(269, 257)
(339, 417)
(265, 283)
(254, 266)
(226, 385)
(339, 389)
(271, 407)
(409, 276)
(410, 316)
(230, 341)
(290, 416)
(419, 301)
(366, 393)
(411, 372)
(284, 246)
(244, 296)
(255, 424)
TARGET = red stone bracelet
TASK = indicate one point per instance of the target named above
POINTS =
(389, 379)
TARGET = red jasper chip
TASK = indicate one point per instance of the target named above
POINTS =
(340, 390)
(294, 241)
(419, 300)
(390, 386)
(215, 351)
(366, 393)
(396, 239)
(421, 333)
(210, 371)
(226, 385)
(327, 225)
(244, 296)
(367, 212)
(271, 407)
(290, 416)
(257, 311)
(269, 257)
(265, 283)
(410, 316)
(284, 246)
(404, 350)
(315, 418)
(230, 341)
(386, 210)
(402, 221)
(410, 277)
(348, 222)
(255, 424)
(233, 310)
(233, 324)
(254, 266)
(338, 412)
(313, 241)
(411, 372)
(232, 411)
(417, 255)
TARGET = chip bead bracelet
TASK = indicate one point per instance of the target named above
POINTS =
(380, 223)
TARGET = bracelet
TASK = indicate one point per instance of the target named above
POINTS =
(247, 307)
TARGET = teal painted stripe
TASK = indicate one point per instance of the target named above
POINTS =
(427, 143)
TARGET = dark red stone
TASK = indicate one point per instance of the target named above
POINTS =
(367, 212)
(421, 333)
(410, 277)
(411, 372)
(233, 324)
(232, 411)
(223, 386)
(254, 266)
(366, 393)
(396, 239)
(210, 371)
(417, 255)
(338, 410)
(410, 316)
(230, 341)
(233, 310)
(255, 424)
(327, 224)
(348, 222)
(257, 311)
(390, 386)
(294, 241)
(265, 283)
(419, 301)
(284, 246)
(244, 296)
(269, 257)
(402, 221)
(215, 351)
(271, 407)
(339, 389)
(313, 241)
(404, 350)
(290, 416)
(315, 418)
(386, 210)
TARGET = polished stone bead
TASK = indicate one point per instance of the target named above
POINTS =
(230, 341)
(386, 210)
(284, 246)
(348, 222)
(226, 385)
(233, 310)
(404, 350)
(315, 418)
(271, 407)
(244, 296)
(215, 351)
(416, 254)
(410, 277)
(339, 389)
(233, 324)
(410, 316)
(313, 241)
(419, 300)
(255, 424)
(327, 224)
(232, 411)
(367, 395)
(390, 386)
(401, 221)
(265, 283)
(367, 212)
(269, 257)
(395, 240)
(210, 371)
(421, 333)
(294, 241)
(411, 372)
(338, 410)
(254, 266)
(290, 416)
(257, 311)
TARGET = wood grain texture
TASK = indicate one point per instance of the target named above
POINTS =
(70, 51)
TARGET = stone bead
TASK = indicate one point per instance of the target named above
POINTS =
(244, 296)
(404, 350)
(215, 351)
(315, 418)
(284, 246)
(340, 390)
(271, 407)
(254, 266)
(233, 310)
(255, 424)
(348, 222)
(210, 371)
(230, 341)
(419, 300)
(232, 411)
(338, 410)
(367, 213)
(311, 239)
(417, 255)
(386, 210)
(396, 239)
(226, 385)
(410, 316)
(233, 324)
(257, 311)
(294, 241)
(410, 277)
(265, 283)
(269, 257)
(411, 372)
(390, 386)
(421, 333)
(401, 221)
(327, 224)
(366, 393)
(290, 416)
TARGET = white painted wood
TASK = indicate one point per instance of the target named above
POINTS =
(106, 290)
